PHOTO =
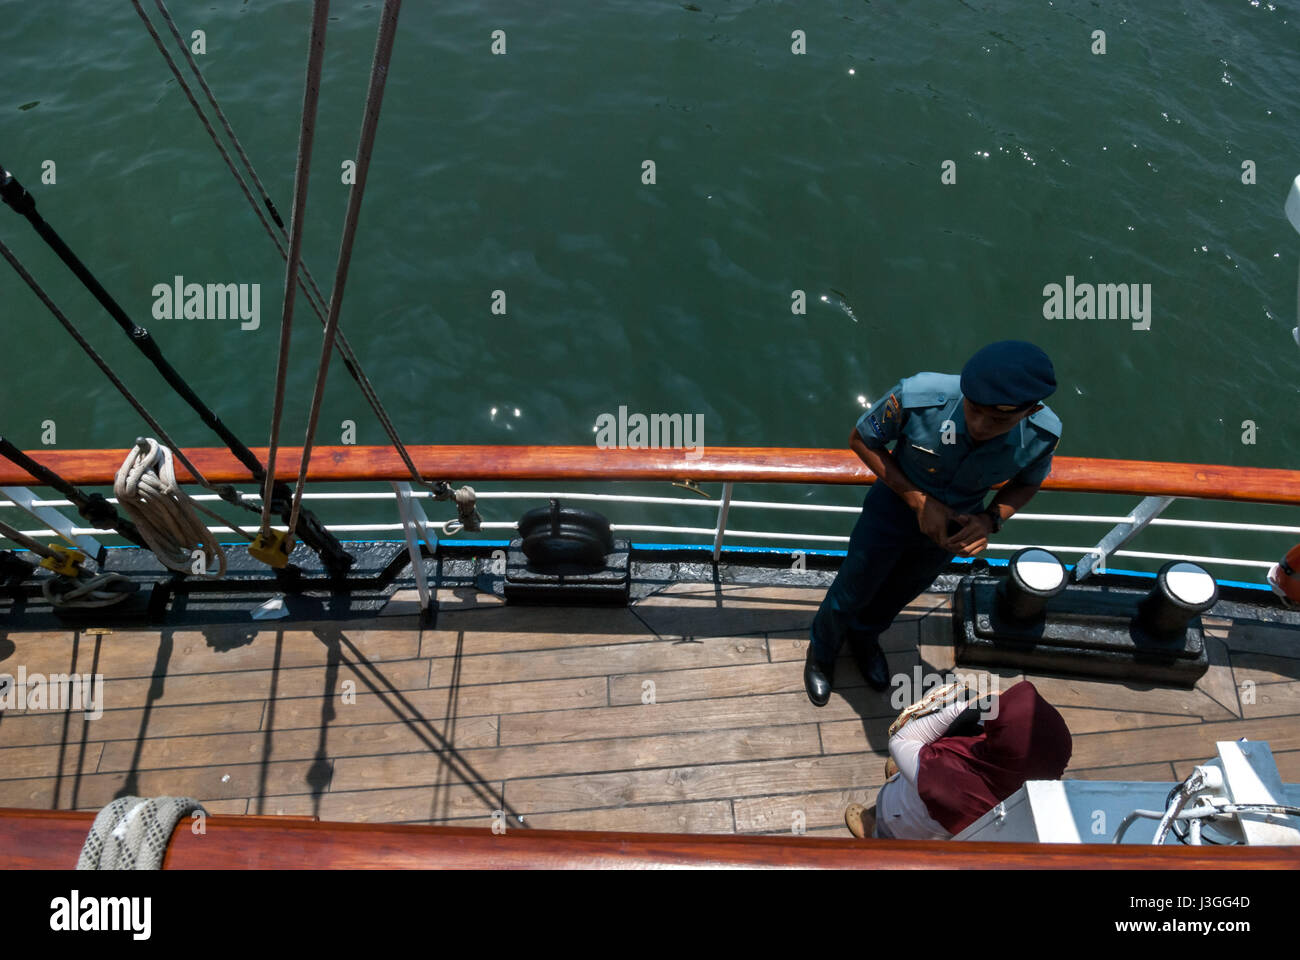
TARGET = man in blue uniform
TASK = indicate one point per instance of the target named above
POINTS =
(954, 438)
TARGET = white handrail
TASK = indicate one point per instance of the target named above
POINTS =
(748, 504)
(723, 508)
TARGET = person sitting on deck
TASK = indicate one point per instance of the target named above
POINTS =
(954, 438)
(945, 783)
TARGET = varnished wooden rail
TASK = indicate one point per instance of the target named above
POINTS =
(738, 464)
(52, 839)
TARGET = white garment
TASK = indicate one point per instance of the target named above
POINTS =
(900, 811)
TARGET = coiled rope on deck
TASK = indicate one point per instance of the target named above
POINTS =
(147, 490)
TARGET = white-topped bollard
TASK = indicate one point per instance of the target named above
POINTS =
(1182, 591)
(1034, 576)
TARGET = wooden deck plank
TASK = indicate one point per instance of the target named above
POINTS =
(841, 832)
(1189, 742)
(790, 645)
(718, 611)
(1219, 683)
(514, 629)
(1072, 692)
(237, 805)
(1252, 637)
(599, 660)
(678, 784)
(1082, 720)
(457, 801)
(33, 729)
(822, 809)
(555, 726)
(1151, 772)
(233, 686)
(1259, 668)
(24, 762)
(440, 705)
(627, 753)
(1273, 700)
(707, 683)
(217, 783)
(703, 816)
(224, 647)
(300, 744)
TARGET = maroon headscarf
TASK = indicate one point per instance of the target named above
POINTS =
(962, 778)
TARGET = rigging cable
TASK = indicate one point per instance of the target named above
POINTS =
(122, 388)
(302, 173)
(94, 508)
(464, 497)
(71, 586)
(336, 559)
(221, 115)
(369, 127)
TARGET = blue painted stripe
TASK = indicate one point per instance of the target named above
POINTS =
(789, 551)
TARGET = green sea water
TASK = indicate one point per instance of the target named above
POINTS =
(775, 171)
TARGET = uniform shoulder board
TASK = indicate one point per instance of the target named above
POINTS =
(1046, 420)
(930, 389)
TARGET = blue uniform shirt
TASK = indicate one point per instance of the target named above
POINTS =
(920, 412)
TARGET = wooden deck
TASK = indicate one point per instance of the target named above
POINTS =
(540, 713)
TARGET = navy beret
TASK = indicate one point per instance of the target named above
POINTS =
(1010, 373)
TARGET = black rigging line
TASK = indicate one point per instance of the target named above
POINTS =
(308, 528)
(93, 507)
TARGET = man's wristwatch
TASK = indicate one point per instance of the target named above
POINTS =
(993, 514)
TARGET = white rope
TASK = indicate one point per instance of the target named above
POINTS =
(85, 590)
(98, 590)
(146, 488)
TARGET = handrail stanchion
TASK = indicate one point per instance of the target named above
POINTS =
(1120, 534)
(723, 509)
(416, 527)
(26, 501)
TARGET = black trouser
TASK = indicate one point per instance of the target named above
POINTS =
(890, 562)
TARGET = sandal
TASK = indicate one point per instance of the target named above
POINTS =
(860, 820)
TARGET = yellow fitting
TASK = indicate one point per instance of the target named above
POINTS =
(272, 548)
(67, 563)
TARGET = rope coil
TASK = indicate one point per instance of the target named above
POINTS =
(146, 488)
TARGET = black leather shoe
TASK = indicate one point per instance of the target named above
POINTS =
(817, 681)
(872, 665)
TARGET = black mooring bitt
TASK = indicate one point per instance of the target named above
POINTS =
(564, 555)
(1081, 631)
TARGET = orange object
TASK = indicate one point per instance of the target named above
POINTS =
(1284, 577)
(717, 464)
